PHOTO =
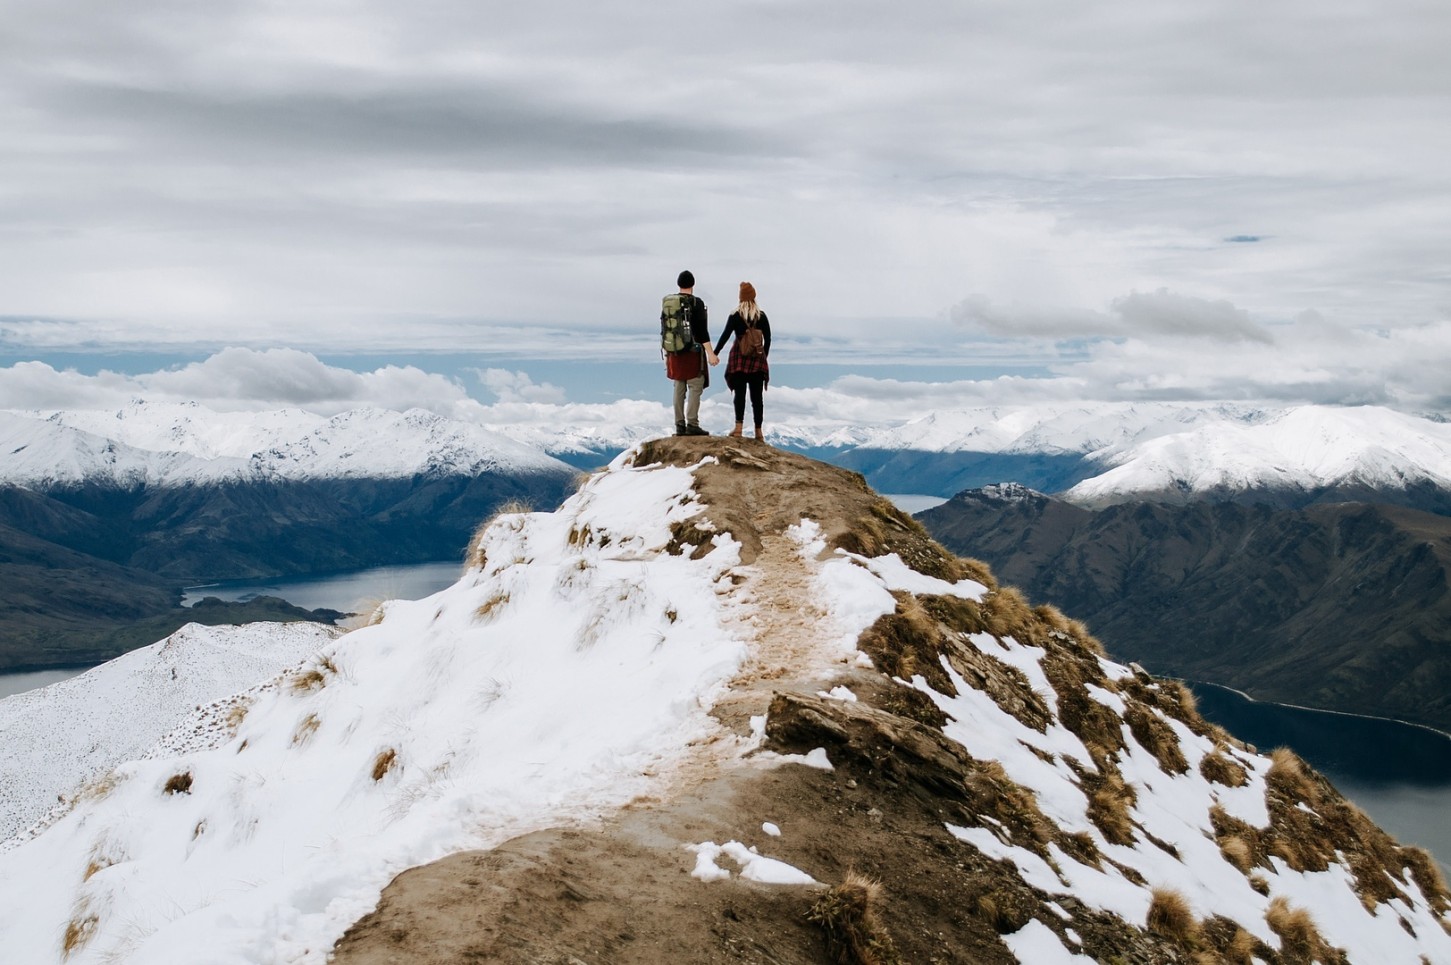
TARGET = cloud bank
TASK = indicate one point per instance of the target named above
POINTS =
(448, 176)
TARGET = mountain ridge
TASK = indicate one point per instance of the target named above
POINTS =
(1336, 606)
(712, 646)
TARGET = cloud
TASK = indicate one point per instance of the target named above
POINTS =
(510, 386)
(238, 379)
(349, 177)
(1163, 312)
(1139, 314)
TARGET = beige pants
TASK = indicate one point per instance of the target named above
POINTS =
(688, 413)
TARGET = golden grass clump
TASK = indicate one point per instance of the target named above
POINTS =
(491, 606)
(1171, 917)
(178, 784)
(478, 558)
(1007, 614)
(1426, 873)
(1156, 737)
(1288, 776)
(885, 529)
(79, 930)
(1241, 948)
(1237, 851)
(237, 713)
(305, 729)
(1299, 935)
(1003, 910)
(974, 569)
(908, 642)
(851, 916)
(1220, 768)
(1108, 809)
(689, 533)
(316, 676)
(383, 763)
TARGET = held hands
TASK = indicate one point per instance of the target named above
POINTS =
(711, 357)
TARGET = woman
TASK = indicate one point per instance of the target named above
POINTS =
(747, 368)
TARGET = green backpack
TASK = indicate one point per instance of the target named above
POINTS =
(675, 333)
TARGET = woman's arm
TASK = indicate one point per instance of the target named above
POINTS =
(729, 330)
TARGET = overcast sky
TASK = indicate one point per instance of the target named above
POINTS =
(1158, 200)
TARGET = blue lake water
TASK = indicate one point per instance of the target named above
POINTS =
(911, 503)
(349, 592)
(1399, 774)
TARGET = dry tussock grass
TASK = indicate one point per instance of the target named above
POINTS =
(1156, 737)
(383, 763)
(80, 929)
(1426, 873)
(885, 529)
(690, 533)
(1171, 917)
(477, 558)
(1237, 851)
(1014, 807)
(1108, 809)
(178, 784)
(1004, 910)
(316, 676)
(1230, 943)
(906, 643)
(1287, 775)
(851, 916)
(1073, 631)
(100, 788)
(305, 729)
(237, 713)
(1220, 768)
(1299, 935)
(491, 606)
(1098, 726)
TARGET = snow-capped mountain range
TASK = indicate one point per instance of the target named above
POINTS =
(1122, 451)
(168, 444)
(669, 626)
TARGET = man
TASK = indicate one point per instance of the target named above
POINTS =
(689, 387)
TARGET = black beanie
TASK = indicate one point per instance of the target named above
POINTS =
(686, 280)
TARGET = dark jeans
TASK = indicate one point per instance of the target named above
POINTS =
(755, 383)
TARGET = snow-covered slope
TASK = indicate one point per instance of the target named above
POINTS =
(593, 657)
(553, 682)
(163, 444)
(57, 738)
(1301, 449)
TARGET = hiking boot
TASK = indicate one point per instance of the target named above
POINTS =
(736, 432)
(694, 430)
(680, 429)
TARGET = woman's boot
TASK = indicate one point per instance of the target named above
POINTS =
(759, 433)
(736, 432)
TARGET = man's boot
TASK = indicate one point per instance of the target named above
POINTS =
(694, 429)
(680, 429)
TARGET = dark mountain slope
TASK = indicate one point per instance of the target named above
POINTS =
(1341, 606)
(89, 572)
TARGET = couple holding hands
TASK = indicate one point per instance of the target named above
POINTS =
(685, 340)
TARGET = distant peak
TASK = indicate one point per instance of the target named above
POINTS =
(1004, 492)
